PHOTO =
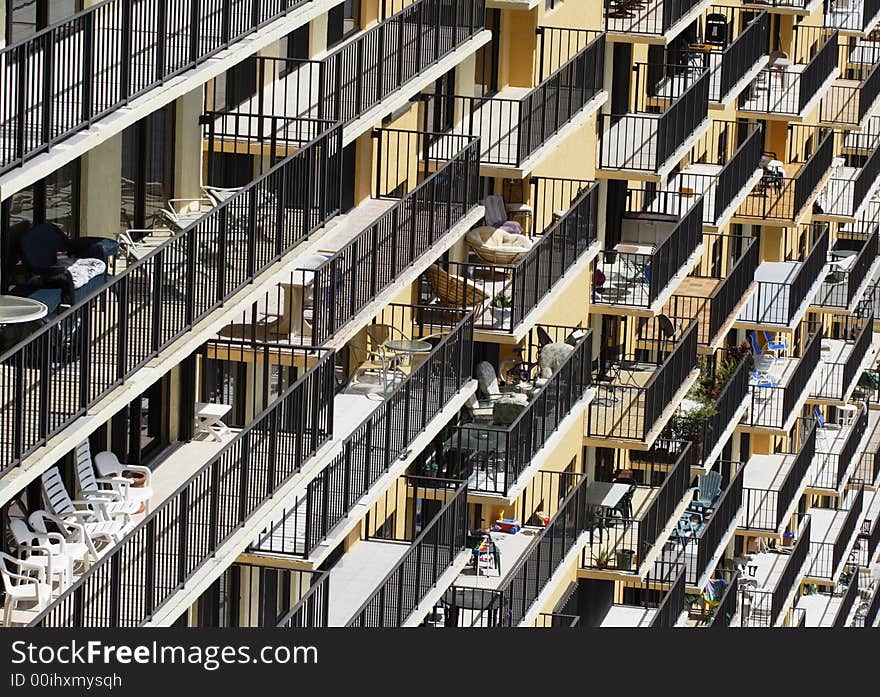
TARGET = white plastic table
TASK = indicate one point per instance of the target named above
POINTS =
(208, 419)
(15, 310)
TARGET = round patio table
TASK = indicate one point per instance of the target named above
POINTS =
(16, 310)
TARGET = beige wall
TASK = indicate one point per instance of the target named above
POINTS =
(101, 189)
(188, 145)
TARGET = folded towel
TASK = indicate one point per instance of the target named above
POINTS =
(81, 271)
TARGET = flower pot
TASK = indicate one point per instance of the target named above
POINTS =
(500, 315)
(625, 559)
(137, 479)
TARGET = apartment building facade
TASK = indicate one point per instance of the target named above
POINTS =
(439, 313)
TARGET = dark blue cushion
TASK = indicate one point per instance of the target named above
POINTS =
(40, 246)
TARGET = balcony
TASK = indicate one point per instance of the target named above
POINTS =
(768, 589)
(844, 354)
(519, 125)
(774, 484)
(623, 546)
(724, 394)
(852, 17)
(852, 97)
(515, 598)
(381, 417)
(655, 602)
(867, 467)
(374, 72)
(849, 191)
(62, 79)
(498, 452)
(313, 608)
(661, 140)
(510, 298)
(830, 608)
(414, 213)
(786, 7)
(786, 290)
(839, 448)
(701, 548)
(715, 293)
(723, 168)
(160, 299)
(868, 540)
(734, 59)
(853, 263)
(660, 241)
(201, 521)
(659, 21)
(790, 88)
(784, 201)
(394, 576)
(635, 399)
(866, 614)
(832, 535)
(779, 387)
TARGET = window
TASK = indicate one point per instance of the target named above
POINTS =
(343, 21)
(30, 16)
(147, 170)
(53, 199)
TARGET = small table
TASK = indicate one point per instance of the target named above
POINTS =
(605, 494)
(208, 419)
(16, 310)
(408, 347)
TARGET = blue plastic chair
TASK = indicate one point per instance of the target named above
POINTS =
(774, 346)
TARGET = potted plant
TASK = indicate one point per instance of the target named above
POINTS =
(624, 558)
(602, 558)
(501, 309)
(691, 426)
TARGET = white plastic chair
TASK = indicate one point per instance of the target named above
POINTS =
(106, 490)
(183, 212)
(27, 584)
(39, 549)
(110, 469)
(78, 545)
(92, 515)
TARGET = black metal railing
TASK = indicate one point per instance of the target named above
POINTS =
(653, 19)
(313, 609)
(795, 89)
(735, 392)
(768, 607)
(529, 280)
(827, 557)
(868, 617)
(837, 378)
(847, 102)
(840, 287)
(54, 375)
(67, 76)
(380, 439)
(524, 582)
(844, 611)
(126, 587)
(648, 275)
(779, 302)
(627, 412)
(672, 605)
(645, 141)
(352, 277)
(846, 197)
(868, 466)
(869, 539)
(494, 457)
(512, 130)
(724, 516)
(626, 550)
(768, 509)
(738, 170)
(429, 556)
(840, 14)
(726, 608)
(715, 312)
(741, 56)
(830, 468)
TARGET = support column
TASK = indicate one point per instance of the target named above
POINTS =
(188, 144)
(101, 189)
(465, 84)
(3, 24)
(318, 35)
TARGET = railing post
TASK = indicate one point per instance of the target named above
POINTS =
(182, 537)
(162, 37)
(150, 567)
(48, 96)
